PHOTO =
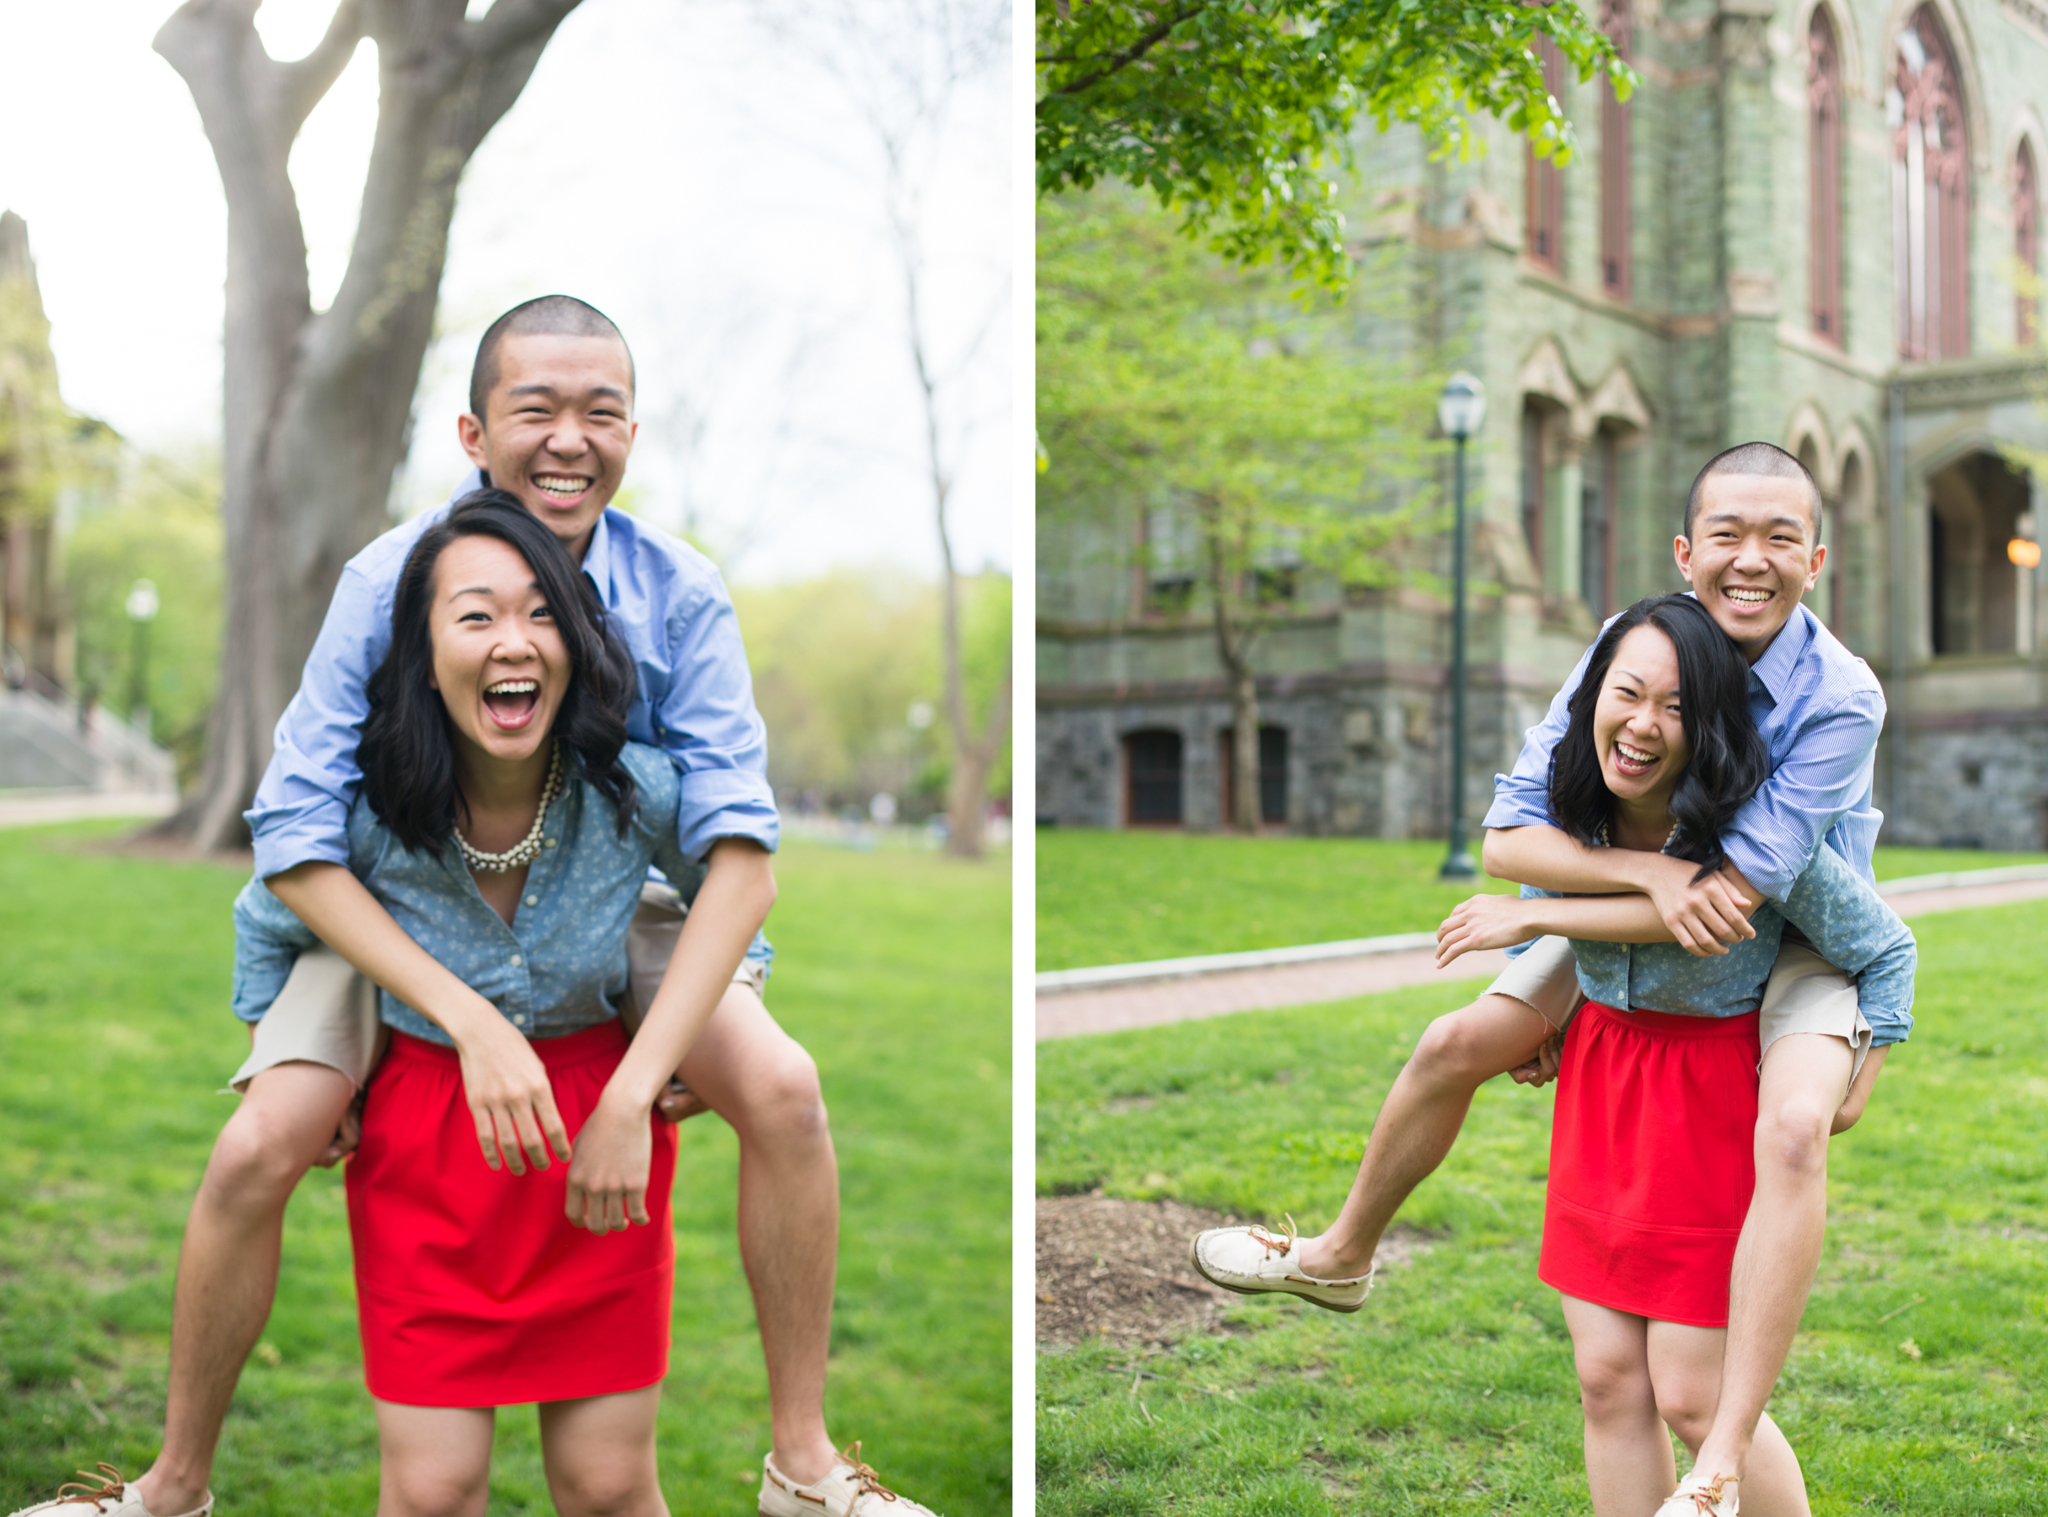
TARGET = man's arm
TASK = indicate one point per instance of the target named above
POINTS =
(506, 1085)
(1699, 918)
(1776, 833)
(1497, 921)
(705, 720)
(608, 1176)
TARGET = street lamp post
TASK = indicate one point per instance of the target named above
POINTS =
(1460, 410)
(142, 608)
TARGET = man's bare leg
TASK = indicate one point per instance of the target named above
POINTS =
(757, 1077)
(1419, 1121)
(227, 1267)
(1805, 1081)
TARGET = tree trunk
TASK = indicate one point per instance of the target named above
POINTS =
(317, 407)
(1234, 636)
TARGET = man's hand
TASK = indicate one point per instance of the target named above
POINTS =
(678, 1103)
(1707, 917)
(509, 1096)
(608, 1176)
(1542, 1069)
(1484, 921)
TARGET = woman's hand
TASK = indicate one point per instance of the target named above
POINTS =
(1484, 921)
(509, 1095)
(608, 1176)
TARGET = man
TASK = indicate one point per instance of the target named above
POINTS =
(550, 421)
(1750, 549)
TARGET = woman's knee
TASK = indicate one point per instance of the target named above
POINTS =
(592, 1489)
(1613, 1387)
(1687, 1404)
(432, 1488)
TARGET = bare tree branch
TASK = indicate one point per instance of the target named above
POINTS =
(511, 24)
(304, 82)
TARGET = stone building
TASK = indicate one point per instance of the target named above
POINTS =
(1815, 225)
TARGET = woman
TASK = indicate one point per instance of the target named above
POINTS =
(1652, 1140)
(507, 826)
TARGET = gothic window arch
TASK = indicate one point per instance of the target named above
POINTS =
(2026, 239)
(1824, 182)
(1930, 192)
(1543, 180)
(1617, 276)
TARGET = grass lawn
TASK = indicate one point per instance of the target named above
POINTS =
(1916, 1384)
(893, 971)
(1120, 897)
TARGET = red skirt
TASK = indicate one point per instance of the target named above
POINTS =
(1652, 1161)
(472, 1289)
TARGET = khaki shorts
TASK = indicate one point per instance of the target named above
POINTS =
(1804, 994)
(327, 1013)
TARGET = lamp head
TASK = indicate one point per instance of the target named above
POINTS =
(1461, 409)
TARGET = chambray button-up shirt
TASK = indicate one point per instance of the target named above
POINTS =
(1841, 914)
(559, 966)
(1819, 710)
(695, 697)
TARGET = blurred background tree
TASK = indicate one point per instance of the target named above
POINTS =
(1237, 441)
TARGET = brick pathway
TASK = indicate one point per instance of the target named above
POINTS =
(1153, 1003)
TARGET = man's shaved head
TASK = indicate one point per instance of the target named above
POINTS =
(547, 316)
(1753, 458)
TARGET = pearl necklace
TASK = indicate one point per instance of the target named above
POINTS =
(527, 849)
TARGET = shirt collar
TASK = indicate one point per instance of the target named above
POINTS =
(1774, 670)
(597, 563)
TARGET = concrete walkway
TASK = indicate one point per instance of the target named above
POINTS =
(38, 808)
(1119, 996)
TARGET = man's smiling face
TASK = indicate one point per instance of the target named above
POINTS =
(557, 428)
(1752, 555)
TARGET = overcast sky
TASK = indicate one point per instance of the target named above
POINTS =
(671, 163)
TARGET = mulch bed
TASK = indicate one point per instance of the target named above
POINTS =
(1118, 1270)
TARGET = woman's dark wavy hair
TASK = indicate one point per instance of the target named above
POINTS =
(406, 753)
(1728, 759)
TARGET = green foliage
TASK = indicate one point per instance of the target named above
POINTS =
(1166, 379)
(893, 972)
(161, 523)
(1236, 112)
(1123, 897)
(1453, 1392)
(838, 663)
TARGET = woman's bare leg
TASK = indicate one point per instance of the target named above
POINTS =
(1628, 1456)
(436, 1460)
(600, 1455)
(1686, 1368)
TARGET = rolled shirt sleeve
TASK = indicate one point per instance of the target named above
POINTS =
(1851, 927)
(268, 942)
(704, 718)
(301, 809)
(1521, 798)
(1779, 830)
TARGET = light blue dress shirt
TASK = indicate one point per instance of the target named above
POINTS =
(1819, 710)
(1840, 912)
(669, 606)
(559, 966)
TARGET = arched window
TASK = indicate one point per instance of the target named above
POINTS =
(1617, 19)
(1824, 171)
(1543, 181)
(1930, 193)
(2026, 240)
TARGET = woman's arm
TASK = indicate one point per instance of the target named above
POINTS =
(608, 1176)
(1499, 921)
(1699, 918)
(503, 1079)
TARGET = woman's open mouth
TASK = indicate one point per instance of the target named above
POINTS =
(1634, 762)
(512, 702)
